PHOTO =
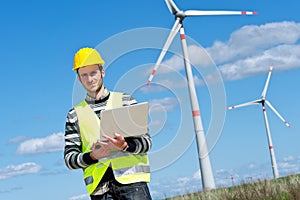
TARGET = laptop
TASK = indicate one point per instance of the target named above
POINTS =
(129, 121)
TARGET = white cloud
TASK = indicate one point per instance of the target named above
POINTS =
(221, 171)
(17, 170)
(252, 49)
(154, 193)
(13, 189)
(222, 182)
(174, 66)
(17, 139)
(162, 105)
(289, 158)
(171, 83)
(197, 56)
(183, 180)
(51, 143)
(156, 123)
(249, 51)
(80, 197)
(287, 165)
(197, 175)
(252, 39)
(252, 166)
(174, 63)
(284, 57)
(152, 88)
(186, 185)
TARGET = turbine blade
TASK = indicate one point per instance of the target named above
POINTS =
(263, 94)
(220, 12)
(172, 6)
(171, 36)
(244, 104)
(277, 113)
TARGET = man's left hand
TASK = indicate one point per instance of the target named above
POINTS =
(118, 141)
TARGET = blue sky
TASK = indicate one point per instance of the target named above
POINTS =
(39, 39)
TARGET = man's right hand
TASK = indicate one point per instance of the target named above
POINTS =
(100, 150)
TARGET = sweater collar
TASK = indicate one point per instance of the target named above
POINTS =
(103, 97)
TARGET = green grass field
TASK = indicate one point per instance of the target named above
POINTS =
(285, 188)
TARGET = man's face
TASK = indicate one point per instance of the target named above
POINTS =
(91, 78)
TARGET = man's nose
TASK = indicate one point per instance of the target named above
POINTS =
(89, 78)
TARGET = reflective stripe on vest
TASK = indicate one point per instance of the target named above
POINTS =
(127, 167)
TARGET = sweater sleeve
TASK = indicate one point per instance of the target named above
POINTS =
(73, 156)
(138, 145)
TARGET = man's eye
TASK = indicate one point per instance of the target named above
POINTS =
(93, 73)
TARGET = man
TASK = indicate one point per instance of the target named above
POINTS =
(114, 169)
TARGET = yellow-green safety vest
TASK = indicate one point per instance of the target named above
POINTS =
(127, 167)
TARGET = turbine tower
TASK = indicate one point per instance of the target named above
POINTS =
(204, 161)
(263, 101)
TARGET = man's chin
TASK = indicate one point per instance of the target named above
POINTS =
(92, 90)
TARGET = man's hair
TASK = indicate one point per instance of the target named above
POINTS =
(99, 66)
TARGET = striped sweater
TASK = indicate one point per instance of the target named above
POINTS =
(73, 156)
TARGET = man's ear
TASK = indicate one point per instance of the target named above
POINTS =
(102, 73)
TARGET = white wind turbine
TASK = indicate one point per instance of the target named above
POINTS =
(205, 166)
(263, 101)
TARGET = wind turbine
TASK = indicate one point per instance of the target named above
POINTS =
(263, 101)
(204, 161)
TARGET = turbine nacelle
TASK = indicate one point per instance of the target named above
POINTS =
(181, 14)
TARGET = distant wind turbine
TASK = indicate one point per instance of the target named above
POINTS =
(205, 166)
(263, 101)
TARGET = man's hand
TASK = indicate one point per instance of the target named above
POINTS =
(103, 149)
(100, 150)
(118, 141)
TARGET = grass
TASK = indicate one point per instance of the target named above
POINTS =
(286, 188)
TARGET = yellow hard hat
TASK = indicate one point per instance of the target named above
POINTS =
(87, 56)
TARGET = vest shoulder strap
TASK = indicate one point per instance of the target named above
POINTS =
(115, 100)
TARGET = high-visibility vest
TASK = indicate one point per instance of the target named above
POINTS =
(127, 167)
